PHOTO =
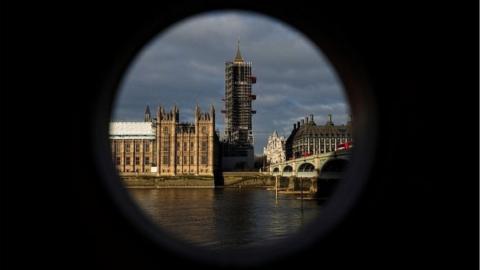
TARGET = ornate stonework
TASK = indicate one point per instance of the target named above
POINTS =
(275, 149)
(164, 146)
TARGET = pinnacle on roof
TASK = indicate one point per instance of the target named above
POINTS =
(238, 56)
(147, 110)
(330, 122)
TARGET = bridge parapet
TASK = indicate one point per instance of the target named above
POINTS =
(318, 161)
(307, 174)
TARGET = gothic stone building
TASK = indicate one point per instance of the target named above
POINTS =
(164, 146)
(275, 149)
(309, 139)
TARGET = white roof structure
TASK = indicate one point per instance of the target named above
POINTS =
(132, 130)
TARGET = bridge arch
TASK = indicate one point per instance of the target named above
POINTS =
(288, 168)
(306, 170)
(306, 167)
(276, 170)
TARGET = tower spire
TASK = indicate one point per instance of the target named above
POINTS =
(197, 111)
(147, 115)
(238, 56)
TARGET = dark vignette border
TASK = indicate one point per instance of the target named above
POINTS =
(351, 72)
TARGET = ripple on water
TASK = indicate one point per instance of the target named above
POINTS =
(225, 218)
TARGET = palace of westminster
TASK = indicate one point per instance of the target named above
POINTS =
(163, 145)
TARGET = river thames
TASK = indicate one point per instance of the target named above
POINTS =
(227, 218)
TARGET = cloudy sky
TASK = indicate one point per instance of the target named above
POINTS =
(185, 65)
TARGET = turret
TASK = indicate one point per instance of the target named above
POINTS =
(330, 122)
(175, 113)
(147, 116)
(160, 113)
(212, 113)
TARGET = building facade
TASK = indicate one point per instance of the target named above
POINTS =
(274, 152)
(133, 146)
(307, 138)
(165, 146)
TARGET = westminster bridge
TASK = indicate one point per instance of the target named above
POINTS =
(319, 170)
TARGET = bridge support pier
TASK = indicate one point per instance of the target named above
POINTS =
(297, 184)
(313, 185)
(291, 183)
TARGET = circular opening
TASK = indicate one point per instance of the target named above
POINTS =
(174, 75)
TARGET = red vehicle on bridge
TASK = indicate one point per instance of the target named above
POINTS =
(344, 146)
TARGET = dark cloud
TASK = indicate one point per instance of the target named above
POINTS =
(185, 66)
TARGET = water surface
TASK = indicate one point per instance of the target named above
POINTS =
(226, 218)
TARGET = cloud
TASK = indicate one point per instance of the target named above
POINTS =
(185, 66)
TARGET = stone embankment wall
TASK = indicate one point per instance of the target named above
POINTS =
(144, 181)
(227, 179)
(247, 179)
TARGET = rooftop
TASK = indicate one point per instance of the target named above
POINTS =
(140, 130)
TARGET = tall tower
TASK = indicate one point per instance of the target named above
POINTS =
(238, 101)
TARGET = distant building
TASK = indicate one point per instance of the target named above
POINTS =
(237, 143)
(164, 146)
(307, 138)
(275, 149)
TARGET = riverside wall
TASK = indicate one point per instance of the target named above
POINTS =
(230, 180)
(226, 179)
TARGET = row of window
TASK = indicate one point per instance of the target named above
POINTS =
(305, 140)
(315, 145)
(186, 161)
(165, 130)
(327, 147)
(146, 147)
(128, 160)
(301, 150)
(203, 145)
(203, 160)
(184, 170)
(185, 144)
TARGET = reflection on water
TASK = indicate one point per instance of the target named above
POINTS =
(225, 218)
